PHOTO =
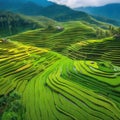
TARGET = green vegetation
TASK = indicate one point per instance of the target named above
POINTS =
(108, 11)
(102, 50)
(56, 39)
(11, 23)
(11, 107)
(57, 12)
(55, 87)
(58, 70)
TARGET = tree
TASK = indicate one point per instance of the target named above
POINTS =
(100, 33)
(118, 30)
(12, 107)
(9, 116)
(107, 34)
(112, 30)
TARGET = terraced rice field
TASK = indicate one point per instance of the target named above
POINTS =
(54, 39)
(55, 87)
(103, 50)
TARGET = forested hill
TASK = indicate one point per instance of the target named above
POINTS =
(11, 23)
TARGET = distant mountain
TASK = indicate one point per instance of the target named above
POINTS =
(54, 11)
(47, 9)
(16, 4)
(63, 13)
(107, 20)
(57, 12)
(11, 23)
(43, 3)
(11, 4)
(43, 8)
(110, 11)
(30, 8)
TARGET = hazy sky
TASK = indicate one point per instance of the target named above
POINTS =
(78, 3)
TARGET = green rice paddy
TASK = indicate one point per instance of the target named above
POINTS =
(62, 75)
(55, 87)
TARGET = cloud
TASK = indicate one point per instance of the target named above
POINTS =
(79, 3)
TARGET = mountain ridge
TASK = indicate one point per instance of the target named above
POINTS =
(110, 10)
(57, 12)
(54, 11)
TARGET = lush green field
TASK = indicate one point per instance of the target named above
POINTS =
(55, 87)
(65, 74)
(103, 50)
(55, 39)
(57, 63)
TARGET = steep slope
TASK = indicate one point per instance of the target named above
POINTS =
(52, 10)
(11, 23)
(107, 20)
(11, 4)
(57, 39)
(16, 4)
(102, 50)
(45, 21)
(30, 8)
(109, 11)
(63, 13)
(43, 3)
(57, 88)
(57, 12)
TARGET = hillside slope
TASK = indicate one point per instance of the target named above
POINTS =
(101, 50)
(57, 12)
(11, 23)
(49, 82)
(109, 11)
(55, 39)
(52, 10)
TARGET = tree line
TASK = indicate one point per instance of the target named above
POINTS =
(11, 23)
(112, 31)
